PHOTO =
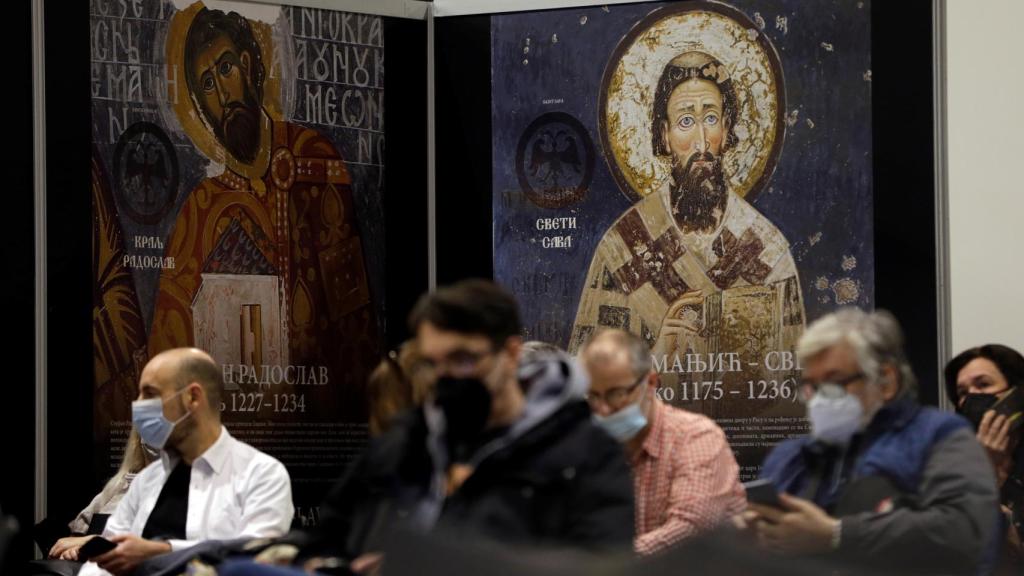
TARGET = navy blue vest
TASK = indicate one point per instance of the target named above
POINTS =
(896, 446)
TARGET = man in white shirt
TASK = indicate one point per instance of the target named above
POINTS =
(205, 486)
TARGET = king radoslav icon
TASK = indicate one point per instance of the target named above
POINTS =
(269, 268)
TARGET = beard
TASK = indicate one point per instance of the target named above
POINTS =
(698, 193)
(239, 128)
(182, 430)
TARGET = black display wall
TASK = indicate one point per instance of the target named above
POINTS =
(72, 477)
(903, 123)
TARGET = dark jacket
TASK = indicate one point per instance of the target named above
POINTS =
(553, 479)
(915, 492)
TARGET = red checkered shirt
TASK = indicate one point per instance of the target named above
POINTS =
(685, 478)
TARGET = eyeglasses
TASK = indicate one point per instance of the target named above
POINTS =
(458, 364)
(809, 389)
(615, 397)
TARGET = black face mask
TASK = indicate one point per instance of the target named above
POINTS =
(466, 404)
(975, 406)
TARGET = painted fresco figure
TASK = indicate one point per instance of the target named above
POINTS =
(693, 268)
(119, 330)
(268, 266)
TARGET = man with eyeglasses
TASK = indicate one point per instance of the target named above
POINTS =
(685, 477)
(881, 484)
(502, 450)
(523, 462)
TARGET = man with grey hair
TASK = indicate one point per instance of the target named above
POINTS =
(685, 477)
(881, 483)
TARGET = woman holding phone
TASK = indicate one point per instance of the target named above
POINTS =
(985, 384)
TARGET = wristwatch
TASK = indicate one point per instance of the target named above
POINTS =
(837, 534)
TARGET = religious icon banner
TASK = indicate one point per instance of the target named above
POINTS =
(237, 182)
(697, 173)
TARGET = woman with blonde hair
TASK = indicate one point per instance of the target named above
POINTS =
(136, 457)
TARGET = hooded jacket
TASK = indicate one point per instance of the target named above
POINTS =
(551, 479)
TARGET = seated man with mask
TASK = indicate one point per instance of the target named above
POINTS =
(205, 486)
(501, 450)
(685, 476)
(882, 484)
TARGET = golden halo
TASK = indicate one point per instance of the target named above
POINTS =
(632, 74)
(186, 108)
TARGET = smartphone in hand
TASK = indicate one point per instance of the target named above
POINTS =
(763, 492)
(1011, 406)
(96, 546)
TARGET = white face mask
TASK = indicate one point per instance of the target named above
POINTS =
(625, 424)
(835, 415)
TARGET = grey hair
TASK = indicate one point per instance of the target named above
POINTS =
(639, 354)
(875, 337)
(533, 349)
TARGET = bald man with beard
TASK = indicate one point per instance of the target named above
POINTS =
(205, 485)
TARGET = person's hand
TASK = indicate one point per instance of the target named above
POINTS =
(1014, 542)
(800, 527)
(67, 548)
(679, 320)
(457, 474)
(745, 521)
(368, 564)
(994, 435)
(130, 552)
(278, 555)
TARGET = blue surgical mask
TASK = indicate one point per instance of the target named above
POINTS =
(625, 424)
(148, 418)
(835, 415)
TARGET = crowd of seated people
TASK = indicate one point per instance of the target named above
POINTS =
(550, 463)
